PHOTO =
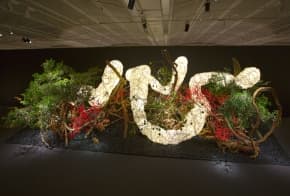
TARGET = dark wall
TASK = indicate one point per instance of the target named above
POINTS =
(17, 66)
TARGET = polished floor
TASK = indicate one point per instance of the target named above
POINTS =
(32, 170)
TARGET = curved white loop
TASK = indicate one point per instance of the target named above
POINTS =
(100, 95)
(140, 77)
(248, 77)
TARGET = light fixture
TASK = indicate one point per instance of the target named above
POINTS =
(144, 23)
(1, 35)
(26, 40)
(186, 28)
(11, 33)
(131, 4)
(207, 6)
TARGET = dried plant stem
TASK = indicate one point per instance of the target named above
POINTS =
(43, 140)
(173, 65)
(66, 137)
(279, 107)
(88, 132)
(244, 142)
(64, 108)
(123, 101)
(126, 119)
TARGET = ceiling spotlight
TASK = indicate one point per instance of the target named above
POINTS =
(131, 4)
(11, 33)
(207, 6)
(144, 23)
(1, 35)
(26, 40)
(186, 28)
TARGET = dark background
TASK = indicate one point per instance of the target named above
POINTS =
(17, 66)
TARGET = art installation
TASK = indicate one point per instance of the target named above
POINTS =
(228, 108)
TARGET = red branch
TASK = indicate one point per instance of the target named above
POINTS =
(82, 117)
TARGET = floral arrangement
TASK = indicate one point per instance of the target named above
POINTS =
(60, 99)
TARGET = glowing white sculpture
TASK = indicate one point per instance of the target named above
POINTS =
(100, 96)
(248, 77)
(140, 79)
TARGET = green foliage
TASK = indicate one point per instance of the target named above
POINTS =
(164, 75)
(216, 87)
(169, 111)
(90, 77)
(57, 84)
(43, 95)
(240, 102)
(160, 109)
(161, 72)
(263, 104)
(239, 105)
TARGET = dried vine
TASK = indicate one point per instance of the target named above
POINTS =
(247, 143)
(124, 104)
(277, 120)
(167, 56)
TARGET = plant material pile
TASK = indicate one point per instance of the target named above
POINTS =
(57, 100)
(238, 117)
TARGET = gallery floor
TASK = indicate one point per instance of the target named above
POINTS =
(32, 170)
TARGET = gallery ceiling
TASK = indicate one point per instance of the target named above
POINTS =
(109, 23)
